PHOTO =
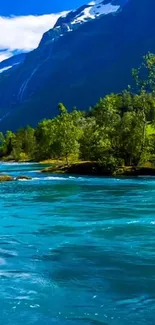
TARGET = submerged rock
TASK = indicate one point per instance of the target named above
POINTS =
(24, 178)
(6, 178)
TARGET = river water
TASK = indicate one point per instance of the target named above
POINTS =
(76, 250)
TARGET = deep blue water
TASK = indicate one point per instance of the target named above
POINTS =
(76, 250)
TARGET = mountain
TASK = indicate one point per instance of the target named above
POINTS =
(74, 19)
(88, 53)
(12, 62)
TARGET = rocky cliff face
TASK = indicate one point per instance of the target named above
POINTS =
(87, 54)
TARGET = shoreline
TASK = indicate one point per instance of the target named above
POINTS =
(96, 169)
(86, 168)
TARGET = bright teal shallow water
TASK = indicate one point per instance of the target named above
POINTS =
(76, 250)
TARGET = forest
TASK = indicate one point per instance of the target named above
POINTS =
(118, 131)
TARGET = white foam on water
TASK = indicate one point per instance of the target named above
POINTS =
(8, 274)
(48, 178)
(34, 306)
(132, 222)
(23, 180)
(8, 252)
(17, 163)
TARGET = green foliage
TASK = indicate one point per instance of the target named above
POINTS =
(2, 144)
(145, 75)
(68, 132)
(118, 131)
(130, 136)
(45, 138)
(59, 137)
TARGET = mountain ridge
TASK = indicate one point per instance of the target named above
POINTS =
(79, 67)
(85, 13)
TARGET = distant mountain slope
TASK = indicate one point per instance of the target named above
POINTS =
(12, 62)
(80, 66)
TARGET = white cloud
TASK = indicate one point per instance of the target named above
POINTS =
(23, 33)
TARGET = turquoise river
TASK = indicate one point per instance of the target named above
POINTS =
(76, 250)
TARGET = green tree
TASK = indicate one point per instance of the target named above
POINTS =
(2, 144)
(144, 75)
(68, 132)
(29, 142)
(10, 139)
(130, 137)
(45, 137)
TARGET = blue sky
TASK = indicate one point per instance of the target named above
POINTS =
(22, 23)
(37, 7)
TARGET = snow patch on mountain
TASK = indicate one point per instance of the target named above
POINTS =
(95, 9)
(8, 67)
(5, 69)
(74, 19)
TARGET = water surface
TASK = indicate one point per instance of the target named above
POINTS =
(76, 250)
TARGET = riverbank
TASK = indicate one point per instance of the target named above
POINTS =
(85, 168)
(96, 169)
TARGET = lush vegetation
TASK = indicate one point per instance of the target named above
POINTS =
(118, 131)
